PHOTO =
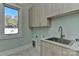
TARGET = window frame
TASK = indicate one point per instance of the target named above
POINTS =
(2, 24)
(12, 6)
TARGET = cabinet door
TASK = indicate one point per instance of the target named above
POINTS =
(45, 49)
(48, 49)
(68, 52)
(34, 16)
(30, 17)
(56, 50)
(32, 20)
(44, 14)
(53, 50)
(39, 15)
(54, 9)
(59, 50)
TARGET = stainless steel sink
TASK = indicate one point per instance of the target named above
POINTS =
(63, 41)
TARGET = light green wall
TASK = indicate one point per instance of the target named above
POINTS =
(6, 44)
(39, 32)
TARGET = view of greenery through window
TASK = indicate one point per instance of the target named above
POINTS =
(11, 20)
(11, 17)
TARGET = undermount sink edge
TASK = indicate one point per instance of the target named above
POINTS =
(61, 41)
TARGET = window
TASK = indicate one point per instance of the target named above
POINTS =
(11, 14)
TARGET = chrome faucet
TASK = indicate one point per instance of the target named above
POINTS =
(61, 29)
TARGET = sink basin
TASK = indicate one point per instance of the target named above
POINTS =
(63, 41)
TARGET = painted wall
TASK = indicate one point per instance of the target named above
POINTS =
(6, 44)
(70, 26)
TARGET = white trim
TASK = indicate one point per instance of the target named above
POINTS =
(15, 50)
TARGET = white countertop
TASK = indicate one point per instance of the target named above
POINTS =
(75, 46)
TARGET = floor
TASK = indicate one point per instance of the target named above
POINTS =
(28, 52)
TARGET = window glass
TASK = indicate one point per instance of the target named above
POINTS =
(11, 20)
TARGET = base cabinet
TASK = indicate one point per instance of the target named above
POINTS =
(48, 49)
(68, 52)
(45, 51)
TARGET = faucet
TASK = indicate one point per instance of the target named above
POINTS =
(61, 29)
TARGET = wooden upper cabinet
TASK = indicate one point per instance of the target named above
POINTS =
(31, 17)
(39, 13)
(38, 17)
(55, 9)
